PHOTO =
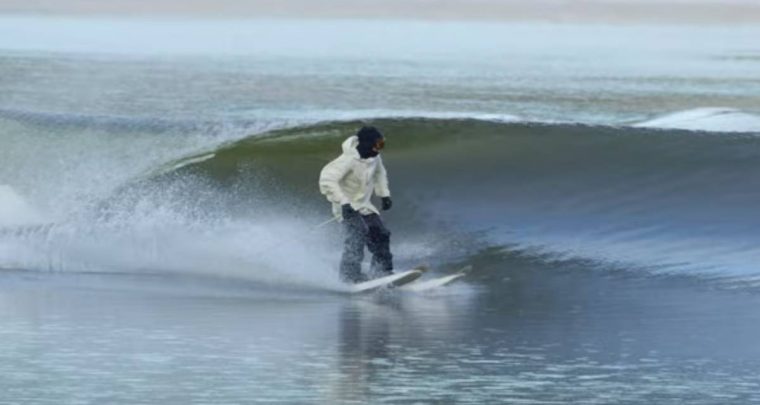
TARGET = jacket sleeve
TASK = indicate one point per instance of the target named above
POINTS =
(330, 177)
(381, 180)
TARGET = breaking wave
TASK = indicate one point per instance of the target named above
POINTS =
(707, 119)
(499, 193)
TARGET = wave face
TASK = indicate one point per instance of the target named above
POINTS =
(501, 194)
(670, 201)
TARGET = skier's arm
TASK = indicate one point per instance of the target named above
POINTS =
(381, 180)
(330, 177)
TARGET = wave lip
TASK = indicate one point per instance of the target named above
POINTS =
(706, 119)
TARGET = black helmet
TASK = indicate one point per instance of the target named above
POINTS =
(368, 138)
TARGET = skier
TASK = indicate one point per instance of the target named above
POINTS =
(348, 182)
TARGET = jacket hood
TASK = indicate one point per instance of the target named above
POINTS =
(349, 147)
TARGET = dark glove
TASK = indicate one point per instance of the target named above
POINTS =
(387, 203)
(348, 211)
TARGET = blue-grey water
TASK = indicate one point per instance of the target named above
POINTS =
(541, 339)
(158, 205)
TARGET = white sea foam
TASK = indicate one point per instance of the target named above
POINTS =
(163, 239)
(15, 210)
(707, 119)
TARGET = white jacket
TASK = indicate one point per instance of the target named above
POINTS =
(351, 179)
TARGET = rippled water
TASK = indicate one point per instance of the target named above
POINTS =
(540, 339)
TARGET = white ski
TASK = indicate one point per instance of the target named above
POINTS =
(394, 280)
(437, 282)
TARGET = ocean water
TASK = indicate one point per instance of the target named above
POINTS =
(158, 212)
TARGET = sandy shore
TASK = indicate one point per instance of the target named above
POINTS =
(615, 11)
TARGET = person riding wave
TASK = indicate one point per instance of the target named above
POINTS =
(348, 182)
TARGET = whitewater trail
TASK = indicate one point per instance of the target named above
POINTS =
(14, 210)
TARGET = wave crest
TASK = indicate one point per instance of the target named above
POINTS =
(706, 119)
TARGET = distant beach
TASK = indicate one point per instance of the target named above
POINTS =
(609, 11)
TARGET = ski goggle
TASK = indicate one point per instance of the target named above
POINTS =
(379, 145)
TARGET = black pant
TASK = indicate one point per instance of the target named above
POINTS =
(369, 230)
